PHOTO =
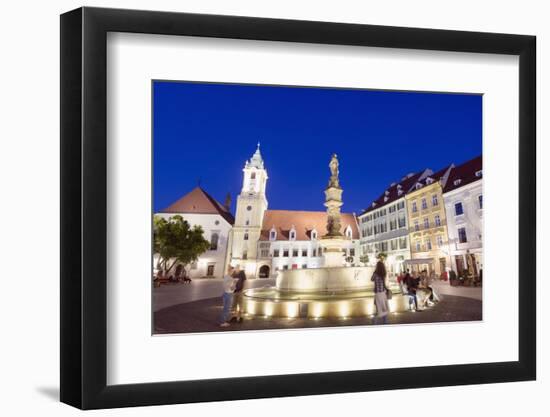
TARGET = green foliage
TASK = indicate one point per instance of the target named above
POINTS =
(364, 259)
(175, 241)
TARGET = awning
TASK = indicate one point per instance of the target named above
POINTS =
(418, 261)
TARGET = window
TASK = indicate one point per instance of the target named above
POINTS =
(401, 221)
(276, 253)
(245, 255)
(304, 252)
(352, 252)
(272, 235)
(480, 201)
(292, 235)
(320, 251)
(210, 270)
(458, 209)
(384, 246)
(285, 267)
(418, 245)
(393, 244)
(457, 182)
(214, 241)
(264, 253)
(285, 253)
(462, 235)
(314, 253)
(403, 243)
(294, 253)
(424, 204)
(434, 200)
(348, 232)
(418, 186)
(393, 224)
(428, 244)
(253, 176)
(314, 234)
(437, 220)
(416, 227)
(247, 222)
(426, 223)
(391, 209)
(439, 240)
(248, 208)
(400, 205)
(414, 208)
(246, 236)
(304, 266)
(479, 173)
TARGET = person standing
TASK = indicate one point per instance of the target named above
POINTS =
(380, 297)
(238, 293)
(412, 286)
(227, 297)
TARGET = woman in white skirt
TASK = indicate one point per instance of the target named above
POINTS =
(380, 297)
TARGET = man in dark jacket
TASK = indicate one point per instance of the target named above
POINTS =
(238, 293)
(412, 286)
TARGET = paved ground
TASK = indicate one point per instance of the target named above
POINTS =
(172, 294)
(203, 315)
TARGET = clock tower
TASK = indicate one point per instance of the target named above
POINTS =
(251, 206)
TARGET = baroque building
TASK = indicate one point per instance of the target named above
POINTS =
(463, 195)
(384, 225)
(428, 224)
(200, 208)
(265, 241)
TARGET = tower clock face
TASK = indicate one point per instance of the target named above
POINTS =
(248, 208)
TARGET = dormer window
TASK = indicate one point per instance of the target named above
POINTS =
(348, 232)
(273, 234)
(457, 182)
(418, 186)
(399, 192)
(292, 234)
(479, 173)
(429, 180)
(386, 199)
(313, 234)
(387, 192)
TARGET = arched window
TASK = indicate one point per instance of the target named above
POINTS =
(348, 232)
(214, 241)
(253, 176)
(246, 236)
(272, 234)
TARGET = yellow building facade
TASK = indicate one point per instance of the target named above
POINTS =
(428, 225)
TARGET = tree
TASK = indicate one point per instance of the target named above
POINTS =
(176, 242)
(381, 256)
(364, 259)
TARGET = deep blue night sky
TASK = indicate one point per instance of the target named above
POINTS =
(207, 131)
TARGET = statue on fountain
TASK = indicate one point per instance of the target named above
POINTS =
(333, 200)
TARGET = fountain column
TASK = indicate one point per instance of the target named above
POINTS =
(333, 241)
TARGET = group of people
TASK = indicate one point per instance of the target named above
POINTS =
(418, 286)
(233, 286)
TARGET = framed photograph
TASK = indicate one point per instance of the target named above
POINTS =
(259, 208)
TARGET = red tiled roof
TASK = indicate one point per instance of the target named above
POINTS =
(304, 222)
(465, 172)
(200, 202)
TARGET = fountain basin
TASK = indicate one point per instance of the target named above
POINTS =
(272, 302)
(335, 279)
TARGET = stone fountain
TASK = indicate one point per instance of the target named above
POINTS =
(334, 290)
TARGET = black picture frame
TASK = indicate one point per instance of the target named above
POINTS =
(84, 207)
